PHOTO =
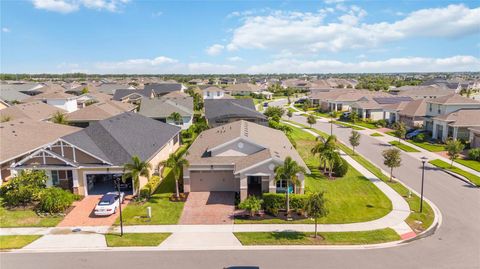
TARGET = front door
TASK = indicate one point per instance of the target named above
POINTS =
(254, 186)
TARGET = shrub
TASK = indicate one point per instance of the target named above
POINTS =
(474, 154)
(340, 169)
(272, 202)
(252, 204)
(55, 200)
(382, 123)
(150, 187)
(419, 138)
(25, 188)
(297, 202)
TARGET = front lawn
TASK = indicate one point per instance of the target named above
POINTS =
(471, 177)
(25, 218)
(433, 147)
(163, 210)
(327, 238)
(402, 146)
(136, 239)
(352, 198)
(16, 241)
(475, 165)
(348, 125)
(376, 134)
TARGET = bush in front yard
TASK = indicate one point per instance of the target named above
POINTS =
(252, 204)
(340, 169)
(150, 187)
(55, 200)
(24, 189)
(474, 154)
(273, 202)
(419, 138)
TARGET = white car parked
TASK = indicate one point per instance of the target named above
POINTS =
(109, 203)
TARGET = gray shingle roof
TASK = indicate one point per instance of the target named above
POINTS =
(164, 107)
(162, 88)
(218, 108)
(119, 138)
(121, 93)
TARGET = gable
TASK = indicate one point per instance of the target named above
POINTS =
(236, 147)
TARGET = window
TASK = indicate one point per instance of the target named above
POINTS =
(54, 177)
(208, 93)
(218, 93)
(430, 107)
(282, 184)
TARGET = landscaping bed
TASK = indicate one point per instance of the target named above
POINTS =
(403, 147)
(16, 241)
(471, 177)
(136, 239)
(324, 238)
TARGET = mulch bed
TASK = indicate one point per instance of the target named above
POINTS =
(264, 216)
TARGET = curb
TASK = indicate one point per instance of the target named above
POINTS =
(455, 175)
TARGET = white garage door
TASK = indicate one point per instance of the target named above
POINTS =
(212, 181)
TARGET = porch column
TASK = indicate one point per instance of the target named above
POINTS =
(434, 130)
(364, 114)
(75, 181)
(445, 132)
(455, 133)
(335, 107)
(272, 186)
(243, 188)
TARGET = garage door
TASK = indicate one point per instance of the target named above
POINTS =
(212, 181)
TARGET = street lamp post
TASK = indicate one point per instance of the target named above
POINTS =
(424, 160)
(120, 205)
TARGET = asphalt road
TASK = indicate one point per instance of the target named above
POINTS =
(456, 244)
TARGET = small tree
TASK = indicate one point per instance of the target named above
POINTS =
(85, 90)
(305, 107)
(60, 118)
(176, 163)
(252, 204)
(135, 170)
(354, 140)
(400, 130)
(176, 118)
(274, 112)
(453, 148)
(315, 207)
(288, 172)
(289, 114)
(353, 117)
(311, 120)
(392, 159)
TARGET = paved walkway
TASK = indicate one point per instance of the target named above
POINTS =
(214, 207)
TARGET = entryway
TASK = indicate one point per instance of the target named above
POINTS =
(254, 184)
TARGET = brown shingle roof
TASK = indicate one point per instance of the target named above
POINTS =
(462, 118)
(415, 108)
(453, 99)
(33, 110)
(100, 111)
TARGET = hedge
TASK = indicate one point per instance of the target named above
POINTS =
(273, 202)
(150, 187)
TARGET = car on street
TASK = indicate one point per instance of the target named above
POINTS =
(109, 203)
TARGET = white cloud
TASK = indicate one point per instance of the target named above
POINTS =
(235, 59)
(6, 30)
(137, 65)
(68, 6)
(333, 1)
(308, 32)
(215, 49)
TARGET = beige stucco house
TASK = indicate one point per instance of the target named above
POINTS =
(239, 157)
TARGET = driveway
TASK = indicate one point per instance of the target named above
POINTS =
(82, 214)
(209, 208)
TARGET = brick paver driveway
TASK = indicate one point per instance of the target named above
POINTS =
(209, 208)
(83, 215)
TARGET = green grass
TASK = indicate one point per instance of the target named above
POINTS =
(441, 164)
(392, 133)
(354, 127)
(16, 241)
(426, 217)
(366, 125)
(428, 146)
(136, 239)
(376, 134)
(163, 211)
(475, 165)
(322, 114)
(329, 238)
(25, 218)
(352, 198)
(402, 146)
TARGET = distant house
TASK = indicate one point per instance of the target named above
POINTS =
(422, 92)
(160, 89)
(240, 157)
(161, 108)
(22, 136)
(87, 161)
(222, 111)
(37, 110)
(242, 89)
(213, 93)
(456, 124)
(131, 96)
(196, 81)
(474, 137)
(412, 113)
(60, 99)
(98, 111)
(110, 88)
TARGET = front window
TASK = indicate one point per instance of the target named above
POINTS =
(55, 181)
(218, 93)
(208, 93)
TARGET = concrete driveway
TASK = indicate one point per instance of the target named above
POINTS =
(83, 213)
(209, 208)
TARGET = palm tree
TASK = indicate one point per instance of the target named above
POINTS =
(176, 118)
(327, 151)
(319, 149)
(135, 170)
(60, 118)
(175, 163)
(288, 172)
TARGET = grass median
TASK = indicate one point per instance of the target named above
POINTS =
(16, 241)
(324, 238)
(376, 134)
(403, 147)
(136, 239)
(444, 165)
(472, 164)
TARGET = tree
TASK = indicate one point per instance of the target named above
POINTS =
(274, 112)
(392, 159)
(354, 117)
(305, 107)
(176, 163)
(400, 130)
(453, 148)
(176, 118)
(319, 149)
(288, 92)
(327, 151)
(85, 90)
(135, 170)
(289, 172)
(315, 207)
(289, 114)
(60, 118)
(354, 140)
(311, 120)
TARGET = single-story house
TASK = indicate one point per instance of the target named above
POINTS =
(456, 124)
(160, 89)
(222, 111)
(213, 92)
(98, 111)
(22, 136)
(111, 88)
(421, 92)
(413, 114)
(33, 110)
(86, 161)
(161, 108)
(240, 157)
(60, 99)
(131, 96)
(474, 137)
(242, 89)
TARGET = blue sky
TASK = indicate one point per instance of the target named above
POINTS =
(129, 36)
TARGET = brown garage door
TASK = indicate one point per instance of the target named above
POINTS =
(212, 181)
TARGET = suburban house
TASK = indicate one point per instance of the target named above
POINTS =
(213, 93)
(446, 105)
(342, 99)
(422, 92)
(160, 89)
(22, 136)
(131, 96)
(59, 99)
(300, 84)
(98, 111)
(412, 113)
(240, 157)
(474, 137)
(18, 92)
(242, 89)
(456, 124)
(161, 108)
(373, 107)
(222, 111)
(34, 110)
(110, 88)
(87, 161)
